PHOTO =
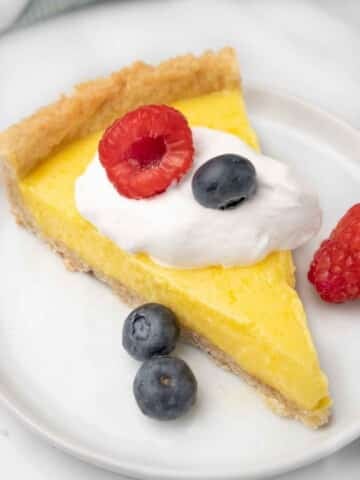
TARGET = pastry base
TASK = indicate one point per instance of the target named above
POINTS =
(92, 107)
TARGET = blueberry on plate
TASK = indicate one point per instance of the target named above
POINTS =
(224, 181)
(150, 330)
(164, 388)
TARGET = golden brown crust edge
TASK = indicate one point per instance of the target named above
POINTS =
(274, 399)
(94, 105)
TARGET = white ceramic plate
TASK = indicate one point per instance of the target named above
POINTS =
(62, 369)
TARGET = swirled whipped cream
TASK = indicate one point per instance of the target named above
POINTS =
(175, 230)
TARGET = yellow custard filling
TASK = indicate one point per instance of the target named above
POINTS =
(251, 313)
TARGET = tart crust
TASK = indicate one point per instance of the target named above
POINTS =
(91, 107)
(94, 105)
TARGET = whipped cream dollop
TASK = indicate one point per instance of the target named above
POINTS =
(175, 230)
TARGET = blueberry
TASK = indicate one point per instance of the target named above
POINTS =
(150, 330)
(164, 388)
(224, 181)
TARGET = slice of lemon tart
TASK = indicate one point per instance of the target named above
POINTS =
(247, 318)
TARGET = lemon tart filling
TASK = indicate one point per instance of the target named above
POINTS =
(252, 313)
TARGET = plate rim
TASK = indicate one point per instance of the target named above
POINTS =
(44, 431)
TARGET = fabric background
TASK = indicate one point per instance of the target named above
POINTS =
(41, 9)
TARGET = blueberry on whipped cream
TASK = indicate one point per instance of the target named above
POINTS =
(224, 182)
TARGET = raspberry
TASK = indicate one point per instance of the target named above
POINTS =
(147, 150)
(335, 269)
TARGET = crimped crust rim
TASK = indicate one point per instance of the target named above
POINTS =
(94, 105)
